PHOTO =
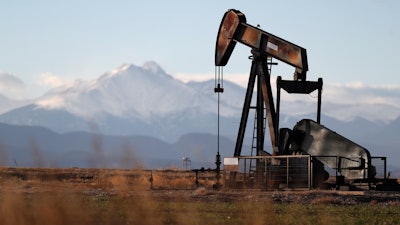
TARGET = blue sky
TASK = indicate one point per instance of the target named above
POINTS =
(44, 43)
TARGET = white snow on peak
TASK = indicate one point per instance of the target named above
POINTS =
(153, 67)
(120, 69)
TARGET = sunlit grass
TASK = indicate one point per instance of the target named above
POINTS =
(126, 197)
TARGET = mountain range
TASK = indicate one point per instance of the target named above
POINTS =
(128, 100)
(141, 112)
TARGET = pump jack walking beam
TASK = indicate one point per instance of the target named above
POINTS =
(234, 29)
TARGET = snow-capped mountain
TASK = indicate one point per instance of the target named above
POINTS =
(129, 100)
(129, 92)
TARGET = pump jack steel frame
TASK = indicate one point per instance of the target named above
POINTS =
(233, 28)
(307, 135)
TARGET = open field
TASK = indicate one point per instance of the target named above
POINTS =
(107, 196)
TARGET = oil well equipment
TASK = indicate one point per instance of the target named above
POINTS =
(301, 157)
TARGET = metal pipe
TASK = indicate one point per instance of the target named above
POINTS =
(319, 100)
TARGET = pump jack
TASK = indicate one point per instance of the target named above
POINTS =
(307, 137)
(234, 29)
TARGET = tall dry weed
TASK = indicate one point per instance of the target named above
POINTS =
(29, 202)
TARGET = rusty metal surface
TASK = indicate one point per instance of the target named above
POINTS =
(225, 43)
(273, 46)
(270, 109)
(285, 51)
(234, 28)
(251, 36)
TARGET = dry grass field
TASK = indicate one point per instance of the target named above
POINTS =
(30, 196)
